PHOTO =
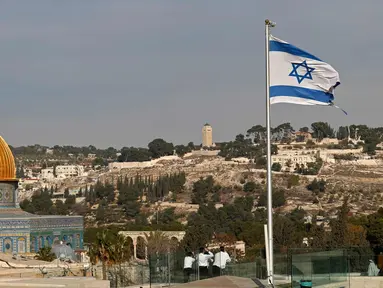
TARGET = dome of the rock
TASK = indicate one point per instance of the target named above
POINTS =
(7, 162)
(22, 232)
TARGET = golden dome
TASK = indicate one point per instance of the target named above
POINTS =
(7, 162)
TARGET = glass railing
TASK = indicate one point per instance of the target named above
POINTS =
(314, 267)
(169, 268)
(297, 267)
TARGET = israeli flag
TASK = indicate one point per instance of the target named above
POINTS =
(299, 77)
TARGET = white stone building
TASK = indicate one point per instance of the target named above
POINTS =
(63, 171)
(293, 158)
(92, 156)
(47, 174)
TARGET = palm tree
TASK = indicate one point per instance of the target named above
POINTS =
(157, 242)
(100, 251)
(109, 250)
(120, 253)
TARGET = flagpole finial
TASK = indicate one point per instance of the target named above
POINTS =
(269, 23)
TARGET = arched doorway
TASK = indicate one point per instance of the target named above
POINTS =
(49, 241)
(41, 242)
(77, 241)
(33, 244)
(21, 245)
(70, 240)
(7, 245)
(141, 248)
(131, 247)
(173, 244)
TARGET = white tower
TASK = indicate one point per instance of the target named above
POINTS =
(207, 136)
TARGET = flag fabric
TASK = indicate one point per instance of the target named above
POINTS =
(299, 77)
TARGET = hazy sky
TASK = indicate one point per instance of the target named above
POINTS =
(121, 73)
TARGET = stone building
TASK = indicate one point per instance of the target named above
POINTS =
(207, 136)
(22, 232)
(63, 171)
(294, 158)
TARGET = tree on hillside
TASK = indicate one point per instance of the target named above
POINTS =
(375, 228)
(317, 186)
(98, 162)
(322, 130)
(167, 216)
(100, 213)
(181, 150)
(201, 226)
(318, 236)
(159, 148)
(70, 201)
(282, 132)
(278, 198)
(191, 146)
(339, 235)
(257, 133)
(285, 231)
(133, 154)
(243, 147)
(201, 188)
(61, 208)
(276, 167)
(40, 203)
(251, 186)
(342, 133)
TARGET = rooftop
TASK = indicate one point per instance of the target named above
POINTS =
(222, 281)
(17, 213)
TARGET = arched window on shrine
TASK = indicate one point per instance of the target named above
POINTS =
(41, 242)
(8, 245)
(21, 245)
(49, 241)
(33, 244)
(77, 241)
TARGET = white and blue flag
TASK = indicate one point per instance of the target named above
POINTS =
(299, 77)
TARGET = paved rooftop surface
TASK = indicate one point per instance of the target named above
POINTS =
(222, 281)
(62, 282)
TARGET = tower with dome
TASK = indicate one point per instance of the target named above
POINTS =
(22, 232)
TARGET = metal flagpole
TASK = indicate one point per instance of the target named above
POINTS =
(270, 273)
(267, 249)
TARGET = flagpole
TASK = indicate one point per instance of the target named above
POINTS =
(270, 273)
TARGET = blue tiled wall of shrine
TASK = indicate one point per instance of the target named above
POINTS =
(29, 235)
(22, 232)
(47, 230)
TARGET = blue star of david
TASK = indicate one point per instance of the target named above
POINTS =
(299, 77)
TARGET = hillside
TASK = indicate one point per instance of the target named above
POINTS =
(361, 182)
(358, 179)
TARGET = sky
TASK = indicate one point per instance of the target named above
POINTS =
(122, 73)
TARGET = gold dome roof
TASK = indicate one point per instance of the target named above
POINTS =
(7, 162)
